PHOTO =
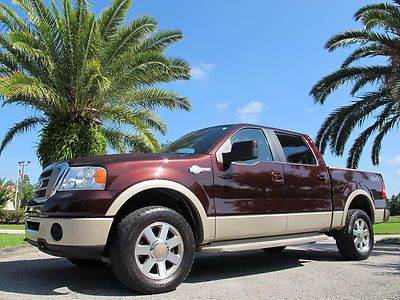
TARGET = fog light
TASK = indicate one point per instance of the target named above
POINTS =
(56, 232)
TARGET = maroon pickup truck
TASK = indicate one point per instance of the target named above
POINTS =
(219, 189)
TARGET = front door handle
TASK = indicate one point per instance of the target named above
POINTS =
(321, 177)
(277, 177)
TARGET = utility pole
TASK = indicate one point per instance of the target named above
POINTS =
(21, 169)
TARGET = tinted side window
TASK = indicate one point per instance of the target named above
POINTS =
(295, 148)
(264, 152)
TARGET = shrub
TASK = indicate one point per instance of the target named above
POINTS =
(12, 216)
(394, 205)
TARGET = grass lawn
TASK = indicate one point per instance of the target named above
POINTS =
(12, 240)
(394, 219)
(391, 227)
(12, 226)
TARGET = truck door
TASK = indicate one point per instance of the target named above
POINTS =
(249, 195)
(307, 185)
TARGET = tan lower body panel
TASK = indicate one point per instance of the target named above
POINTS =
(253, 226)
(379, 215)
(260, 243)
(337, 219)
(249, 226)
(76, 231)
(308, 221)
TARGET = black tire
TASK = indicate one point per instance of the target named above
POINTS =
(87, 263)
(127, 234)
(274, 249)
(345, 239)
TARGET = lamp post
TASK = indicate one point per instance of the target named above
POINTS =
(21, 169)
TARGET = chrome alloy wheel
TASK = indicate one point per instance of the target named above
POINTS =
(159, 250)
(361, 236)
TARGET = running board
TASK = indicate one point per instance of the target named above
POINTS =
(260, 243)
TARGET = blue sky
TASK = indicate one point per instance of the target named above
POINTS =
(253, 61)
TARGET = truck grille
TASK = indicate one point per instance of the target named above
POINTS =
(48, 181)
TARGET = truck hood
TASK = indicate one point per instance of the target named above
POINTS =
(111, 158)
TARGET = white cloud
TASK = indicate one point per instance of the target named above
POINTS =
(398, 172)
(221, 106)
(251, 111)
(201, 70)
(395, 160)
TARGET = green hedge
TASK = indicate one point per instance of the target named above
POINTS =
(12, 216)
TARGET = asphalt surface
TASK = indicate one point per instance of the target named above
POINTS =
(303, 272)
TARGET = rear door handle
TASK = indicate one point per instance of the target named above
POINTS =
(321, 177)
(277, 177)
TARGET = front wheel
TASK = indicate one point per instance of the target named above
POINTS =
(356, 239)
(152, 250)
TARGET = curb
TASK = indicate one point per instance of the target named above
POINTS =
(12, 231)
(389, 242)
(7, 252)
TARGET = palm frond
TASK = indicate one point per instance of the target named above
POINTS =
(351, 37)
(330, 83)
(21, 127)
(155, 98)
(160, 40)
(19, 84)
(357, 148)
(363, 52)
(384, 130)
(127, 39)
(111, 18)
(337, 128)
(348, 118)
(9, 18)
(138, 118)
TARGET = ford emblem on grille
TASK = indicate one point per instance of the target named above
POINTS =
(39, 184)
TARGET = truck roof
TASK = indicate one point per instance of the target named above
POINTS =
(240, 125)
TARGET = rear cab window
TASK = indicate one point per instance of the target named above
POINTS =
(295, 148)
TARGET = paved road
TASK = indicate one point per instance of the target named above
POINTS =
(307, 271)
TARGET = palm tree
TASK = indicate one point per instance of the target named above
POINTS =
(376, 87)
(90, 79)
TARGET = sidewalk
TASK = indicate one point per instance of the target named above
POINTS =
(8, 252)
(380, 237)
(12, 231)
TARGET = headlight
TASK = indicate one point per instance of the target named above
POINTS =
(84, 178)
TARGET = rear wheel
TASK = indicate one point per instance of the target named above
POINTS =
(275, 249)
(356, 239)
(87, 263)
(152, 250)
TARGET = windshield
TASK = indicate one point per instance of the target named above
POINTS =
(198, 142)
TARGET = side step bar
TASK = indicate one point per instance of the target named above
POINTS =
(259, 243)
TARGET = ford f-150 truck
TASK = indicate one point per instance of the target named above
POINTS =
(219, 189)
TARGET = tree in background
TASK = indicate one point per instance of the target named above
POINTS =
(90, 78)
(5, 192)
(394, 205)
(26, 189)
(380, 37)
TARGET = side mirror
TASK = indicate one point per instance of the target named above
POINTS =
(241, 151)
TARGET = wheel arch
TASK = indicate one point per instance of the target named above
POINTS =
(359, 199)
(185, 200)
